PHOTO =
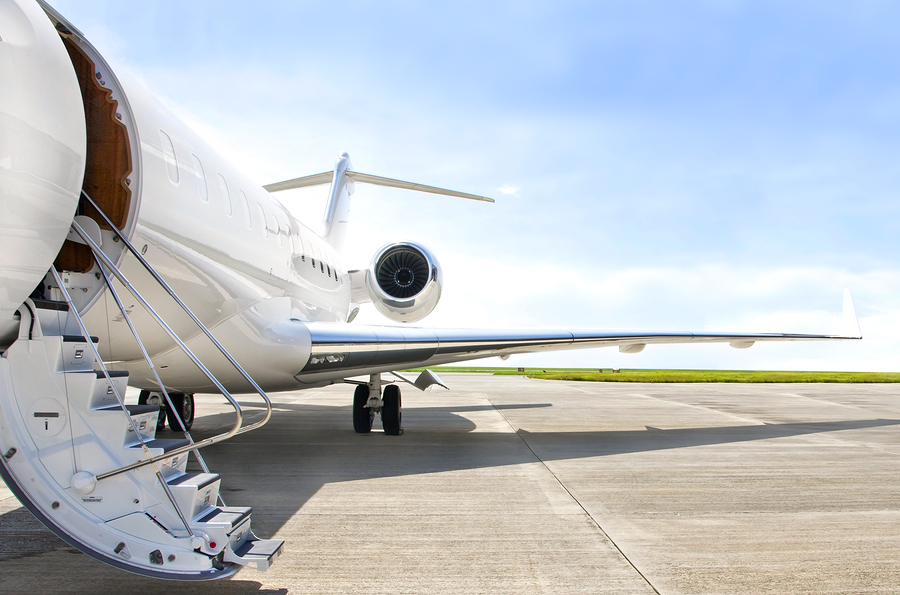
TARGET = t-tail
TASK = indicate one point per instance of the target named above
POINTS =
(342, 179)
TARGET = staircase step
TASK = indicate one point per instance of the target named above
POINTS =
(197, 481)
(195, 492)
(103, 395)
(144, 417)
(256, 553)
(76, 355)
(227, 517)
(78, 339)
(166, 444)
(112, 373)
(51, 305)
(169, 467)
(132, 409)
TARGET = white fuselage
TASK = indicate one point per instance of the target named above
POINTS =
(231, 251)
(249, 270)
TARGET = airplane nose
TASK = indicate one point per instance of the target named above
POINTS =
(42, 149)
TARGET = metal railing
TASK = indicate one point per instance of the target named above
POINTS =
(150, 364)
(106, 262)
(121, 399)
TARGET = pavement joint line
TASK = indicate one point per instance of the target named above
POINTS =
(574, 499)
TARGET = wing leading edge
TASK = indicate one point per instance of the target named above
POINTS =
(339, 351)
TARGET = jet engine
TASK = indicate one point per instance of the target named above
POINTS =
(404, 281)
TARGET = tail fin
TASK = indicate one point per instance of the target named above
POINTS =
(337, 213)
(851, 322)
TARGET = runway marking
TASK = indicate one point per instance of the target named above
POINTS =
(757, 422)
(824, 401)
(742, 418)
(574, 499)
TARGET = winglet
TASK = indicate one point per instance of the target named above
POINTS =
(851, 322)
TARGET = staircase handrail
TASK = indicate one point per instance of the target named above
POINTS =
(184, 306)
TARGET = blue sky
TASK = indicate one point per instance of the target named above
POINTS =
(715, 165)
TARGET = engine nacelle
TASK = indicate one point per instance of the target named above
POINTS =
(404, 281)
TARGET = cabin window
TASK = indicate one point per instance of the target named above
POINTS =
(226, 197)
(201, 179)
(169, 152)
(262, 220)
(273, 227)
(245, 204)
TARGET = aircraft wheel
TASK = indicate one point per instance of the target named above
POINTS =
(154, 398)
(391, 412)
(184, 408)
(362, 415)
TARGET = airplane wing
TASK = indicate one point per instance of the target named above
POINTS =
(340, 351)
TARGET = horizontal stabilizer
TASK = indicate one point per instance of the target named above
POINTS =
(354, 176)
(314, 180)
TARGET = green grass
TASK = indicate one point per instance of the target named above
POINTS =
(634, 375)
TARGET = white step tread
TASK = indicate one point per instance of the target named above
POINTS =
(166, 444)
(229, 516)
(132, 409)
(256, 553)
(265, 548)
(195, 480)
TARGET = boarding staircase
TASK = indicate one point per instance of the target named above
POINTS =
(89, 465)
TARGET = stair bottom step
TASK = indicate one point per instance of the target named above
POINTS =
(261, 547)
(257, 553)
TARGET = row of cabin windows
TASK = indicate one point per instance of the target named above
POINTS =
(224, 193)
(202, 189)
(324, 268)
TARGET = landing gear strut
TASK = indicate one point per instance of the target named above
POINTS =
(153, 398)
(367, 400)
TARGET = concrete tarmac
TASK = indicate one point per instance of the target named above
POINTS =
(510, 485)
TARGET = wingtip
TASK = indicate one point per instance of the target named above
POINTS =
(851, 321)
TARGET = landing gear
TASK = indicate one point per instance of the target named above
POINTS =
(391, 412)
(368, 400)
(362, 415)
(184, 409)
(153, 398)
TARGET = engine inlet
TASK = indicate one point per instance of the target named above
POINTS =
(402, 272)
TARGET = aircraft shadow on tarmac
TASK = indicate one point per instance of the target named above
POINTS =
(314, 452)
(280, 467)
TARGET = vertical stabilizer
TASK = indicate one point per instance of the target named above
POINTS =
(337, 212)
(851, 322)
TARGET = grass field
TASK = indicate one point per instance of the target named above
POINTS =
(634, 375)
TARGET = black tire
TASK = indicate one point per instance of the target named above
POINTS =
(154, 398)
(391, 411)
(362, 415)
(184, 408)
